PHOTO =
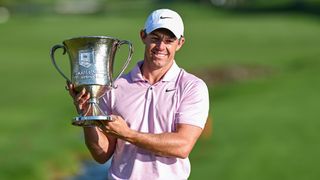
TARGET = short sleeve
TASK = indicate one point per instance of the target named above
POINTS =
(194, 104)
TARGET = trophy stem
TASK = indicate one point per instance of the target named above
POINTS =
(93, 116)
(94, 109)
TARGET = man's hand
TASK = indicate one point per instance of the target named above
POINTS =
(116, 127)
(79, 98)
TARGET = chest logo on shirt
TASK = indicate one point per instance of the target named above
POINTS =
(169, 90)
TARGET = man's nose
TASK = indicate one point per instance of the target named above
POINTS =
(161, 44)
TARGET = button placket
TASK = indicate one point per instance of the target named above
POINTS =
(149, 93)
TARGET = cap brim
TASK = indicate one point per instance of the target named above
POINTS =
(165, 26)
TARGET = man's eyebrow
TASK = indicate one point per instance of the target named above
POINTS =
(165, 36)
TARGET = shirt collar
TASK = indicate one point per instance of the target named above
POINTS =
(172, 72)
(136, 74)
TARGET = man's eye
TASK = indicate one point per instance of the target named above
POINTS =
(169, 41)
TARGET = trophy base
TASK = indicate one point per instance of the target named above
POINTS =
(90, 121)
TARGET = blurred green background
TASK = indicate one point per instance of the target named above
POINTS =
(260, 59)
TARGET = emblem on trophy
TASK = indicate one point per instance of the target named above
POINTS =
(91, 62)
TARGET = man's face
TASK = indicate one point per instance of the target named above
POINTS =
(160, 47)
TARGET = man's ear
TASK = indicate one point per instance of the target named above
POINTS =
(143, 35)
(180, 43)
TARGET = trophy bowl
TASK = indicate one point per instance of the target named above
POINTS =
(91, 62)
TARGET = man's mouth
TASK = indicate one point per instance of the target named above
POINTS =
(159, 54)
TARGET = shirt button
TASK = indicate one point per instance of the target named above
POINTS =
(150, 88)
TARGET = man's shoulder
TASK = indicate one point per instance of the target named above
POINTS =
(124, 79)
(189, 78)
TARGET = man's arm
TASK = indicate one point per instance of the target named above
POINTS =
(177, 144)
(100, 145)
(172, 144)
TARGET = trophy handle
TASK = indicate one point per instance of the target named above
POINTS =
(53, 49)
(128, 58)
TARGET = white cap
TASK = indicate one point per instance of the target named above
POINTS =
(165, 18)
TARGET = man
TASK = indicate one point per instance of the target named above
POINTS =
(158, 110)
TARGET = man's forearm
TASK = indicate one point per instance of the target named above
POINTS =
(100, 147)
(165, 144)
(175, 144)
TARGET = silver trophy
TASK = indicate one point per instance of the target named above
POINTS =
(91, 60)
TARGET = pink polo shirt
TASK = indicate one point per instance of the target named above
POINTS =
(179, 97)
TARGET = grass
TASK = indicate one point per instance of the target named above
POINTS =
(264, 128)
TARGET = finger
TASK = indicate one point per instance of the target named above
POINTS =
(101, 127)
(68, 84)
(83, 97)
(87, 96)
(80, 94)
(112, 117)
(104, 128)
(70, 87)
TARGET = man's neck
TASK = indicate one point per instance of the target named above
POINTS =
(153, 75)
